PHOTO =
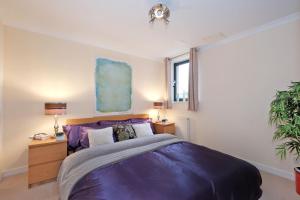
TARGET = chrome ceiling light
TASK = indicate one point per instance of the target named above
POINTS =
(159, 12)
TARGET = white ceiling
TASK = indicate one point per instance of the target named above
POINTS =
(122, 25)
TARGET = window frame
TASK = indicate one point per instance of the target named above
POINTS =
(175, 65)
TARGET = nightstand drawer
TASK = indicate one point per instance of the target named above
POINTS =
(43, 172)
(168, 129)
(47, 153)
(164, 128)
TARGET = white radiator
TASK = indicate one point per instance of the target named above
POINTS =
(183, 127)
(188, 129)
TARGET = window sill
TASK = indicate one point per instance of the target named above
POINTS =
(180, 102)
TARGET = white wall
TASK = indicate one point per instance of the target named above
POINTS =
(39, 68)
(238, 80)
(1, 90)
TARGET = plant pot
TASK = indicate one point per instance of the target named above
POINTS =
(297, 179)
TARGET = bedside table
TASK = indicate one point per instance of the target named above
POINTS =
(44, 159)
(164, 128)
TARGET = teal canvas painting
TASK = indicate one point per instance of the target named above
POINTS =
(113, 86)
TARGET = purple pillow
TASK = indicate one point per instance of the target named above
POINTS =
(74, 135)
(140, 120)
(84, 138)
(109, 123)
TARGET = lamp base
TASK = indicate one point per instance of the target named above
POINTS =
(158, 116)
(56, 126)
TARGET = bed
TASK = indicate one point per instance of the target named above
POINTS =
(156, 167)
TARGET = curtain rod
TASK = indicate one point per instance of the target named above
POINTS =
(197, 48)
(179, 55)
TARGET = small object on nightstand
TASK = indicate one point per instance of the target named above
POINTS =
(166, 127)
(60, 136)
(44, 159)
(40, 136)
(164, 121)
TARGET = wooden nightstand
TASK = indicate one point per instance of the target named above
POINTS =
(44, 159)
(164, 128)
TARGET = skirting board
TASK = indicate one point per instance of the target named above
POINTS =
(262, 167)
(272, 170)
(14, 171)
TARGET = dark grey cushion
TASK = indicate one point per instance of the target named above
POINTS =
(123, 132)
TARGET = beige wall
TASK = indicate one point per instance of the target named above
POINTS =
(1, 90)
(237, 83)
(39, 68)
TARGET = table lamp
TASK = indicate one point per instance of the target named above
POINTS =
(55, 109)
(158, 105)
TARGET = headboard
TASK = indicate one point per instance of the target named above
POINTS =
(102, 118)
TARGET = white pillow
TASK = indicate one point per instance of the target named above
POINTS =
(142, 130)
(100, 136)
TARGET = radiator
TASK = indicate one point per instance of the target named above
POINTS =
(183, 127)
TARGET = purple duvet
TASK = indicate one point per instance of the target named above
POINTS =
(177, 171)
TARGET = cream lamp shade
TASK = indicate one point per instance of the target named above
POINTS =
(55, 108)
(158, 105)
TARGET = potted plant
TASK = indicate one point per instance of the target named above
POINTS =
(285, 115)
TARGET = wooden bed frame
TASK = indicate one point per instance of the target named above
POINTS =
(102, 118)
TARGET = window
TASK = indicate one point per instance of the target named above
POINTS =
(181, 81)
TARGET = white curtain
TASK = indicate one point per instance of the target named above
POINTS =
(168, 85)
(193, 102)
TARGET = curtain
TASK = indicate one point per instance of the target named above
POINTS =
(168, 85)
(193, 102)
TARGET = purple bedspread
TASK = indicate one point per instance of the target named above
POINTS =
(177, 171)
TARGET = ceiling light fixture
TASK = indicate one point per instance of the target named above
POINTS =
(159, 12)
